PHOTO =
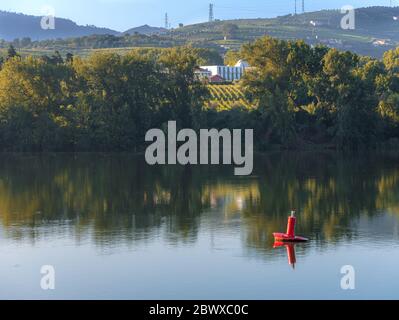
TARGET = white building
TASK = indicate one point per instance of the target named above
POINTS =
(201, 73)
(228, 73)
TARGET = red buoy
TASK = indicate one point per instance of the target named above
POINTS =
(290, 235)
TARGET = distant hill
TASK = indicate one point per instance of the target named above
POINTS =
(377, 30)
(16, 25)
(147, 30)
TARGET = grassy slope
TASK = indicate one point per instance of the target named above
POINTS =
(371, 23)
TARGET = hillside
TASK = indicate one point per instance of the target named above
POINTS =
(376, 32)
(146, 30)
(16, 25)
(373, 23)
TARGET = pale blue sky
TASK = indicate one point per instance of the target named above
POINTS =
(124, 14)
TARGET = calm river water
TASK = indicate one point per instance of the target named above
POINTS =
(114, 228)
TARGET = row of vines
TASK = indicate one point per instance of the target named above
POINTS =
(226, 97)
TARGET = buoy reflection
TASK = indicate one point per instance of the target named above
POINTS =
(290, 251)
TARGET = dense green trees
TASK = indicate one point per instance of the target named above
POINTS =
(321, 95)
(231, 57)
(302, 96)
(106, 102)
(97, 41)
(35, 98)
(115, 98)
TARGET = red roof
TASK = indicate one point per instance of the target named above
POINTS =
(216, 78)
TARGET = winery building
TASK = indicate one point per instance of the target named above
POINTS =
(226, 72)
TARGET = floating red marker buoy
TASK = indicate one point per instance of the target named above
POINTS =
(290, 235)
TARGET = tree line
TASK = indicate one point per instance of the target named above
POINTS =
(304, 96)
(317, 95)
(96, 41)
(103, 103)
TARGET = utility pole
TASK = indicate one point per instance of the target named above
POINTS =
(211, 14)
(295, 7)
(303, 6)
(166, 21)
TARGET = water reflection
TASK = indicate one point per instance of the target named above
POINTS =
(291, 254)
(117, 199)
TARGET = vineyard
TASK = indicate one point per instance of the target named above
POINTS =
(226, 97)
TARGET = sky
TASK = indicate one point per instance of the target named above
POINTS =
(121, 15)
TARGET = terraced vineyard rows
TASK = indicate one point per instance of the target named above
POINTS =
(227, 96)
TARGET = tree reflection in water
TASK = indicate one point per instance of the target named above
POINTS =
(115, 199)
